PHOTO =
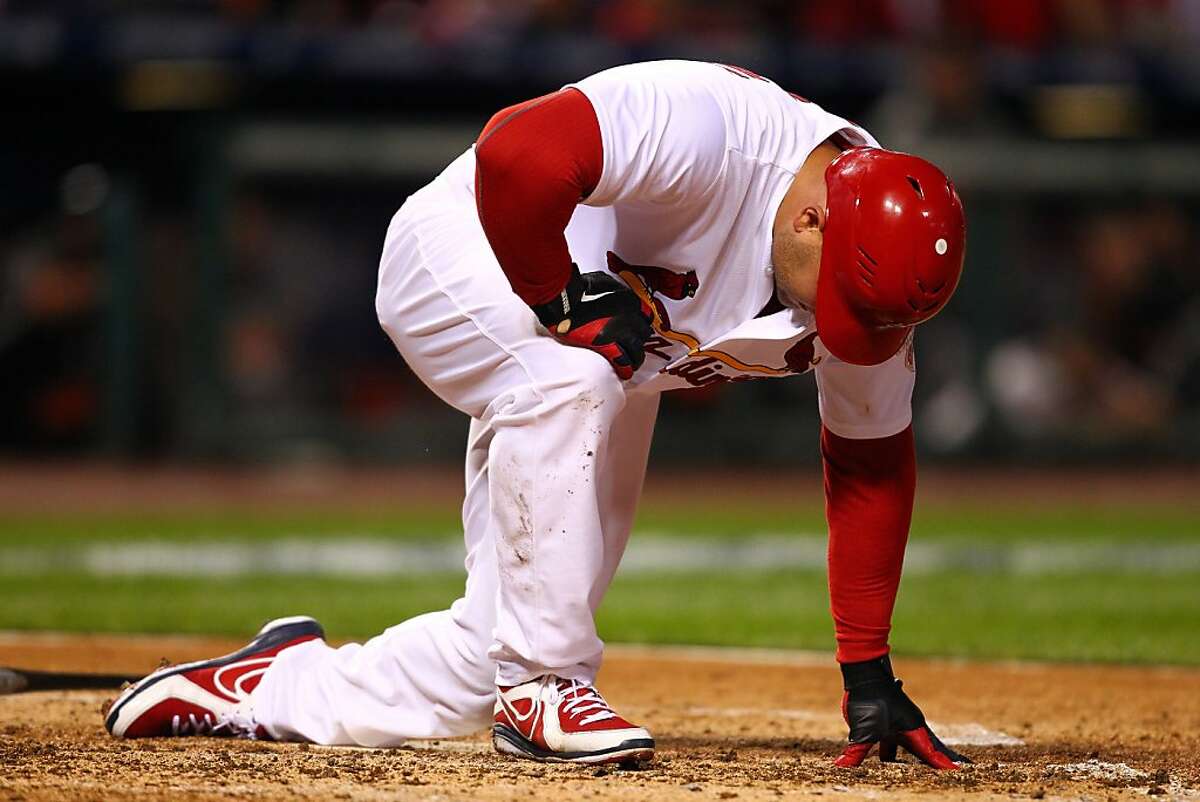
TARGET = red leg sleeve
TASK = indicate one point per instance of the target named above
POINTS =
(534, 162)
(869, 487)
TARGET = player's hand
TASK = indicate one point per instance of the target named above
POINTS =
(880, 712)
(599, 312)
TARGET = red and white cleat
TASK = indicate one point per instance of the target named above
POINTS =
(565, 721)
(208, 697)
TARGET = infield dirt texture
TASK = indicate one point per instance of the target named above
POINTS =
(731, 725)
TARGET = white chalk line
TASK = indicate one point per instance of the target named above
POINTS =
(968, 734)
(788, 714)
(648, 553)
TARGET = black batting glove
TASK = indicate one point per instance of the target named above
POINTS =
(599, 312)
(880, 712)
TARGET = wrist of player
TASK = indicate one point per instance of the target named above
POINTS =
(598, 312)
(878, 711)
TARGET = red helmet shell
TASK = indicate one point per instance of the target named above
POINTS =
(892, 252)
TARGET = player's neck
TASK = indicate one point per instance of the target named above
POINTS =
(808, 185)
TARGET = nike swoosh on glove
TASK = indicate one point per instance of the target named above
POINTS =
(599, 312)
(880, 712)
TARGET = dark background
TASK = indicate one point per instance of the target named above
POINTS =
(195, 196)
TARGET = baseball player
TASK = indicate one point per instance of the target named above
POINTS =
(652, 227)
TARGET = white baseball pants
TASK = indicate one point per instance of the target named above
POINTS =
(556, 456)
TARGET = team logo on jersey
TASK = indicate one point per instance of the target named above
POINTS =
(654, 281)
(703, 371)
(706, 370)
(802, 356)
(703, 366)
(648, 281)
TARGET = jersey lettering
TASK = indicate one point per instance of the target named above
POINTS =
(656, 346)
(742, 72)
(698, 372)
(647, 281)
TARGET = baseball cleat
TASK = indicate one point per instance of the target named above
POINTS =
(208, 697)
(565, 721)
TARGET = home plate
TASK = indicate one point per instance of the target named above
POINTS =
(973, 734)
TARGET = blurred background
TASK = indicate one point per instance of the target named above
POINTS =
(202, 425)
(196, 192)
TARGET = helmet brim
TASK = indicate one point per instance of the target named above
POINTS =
(847, 336)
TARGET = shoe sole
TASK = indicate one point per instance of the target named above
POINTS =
(272, 634)
(508, 741)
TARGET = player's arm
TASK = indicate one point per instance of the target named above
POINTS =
(649, 133)
(870, 481)
(534, 163)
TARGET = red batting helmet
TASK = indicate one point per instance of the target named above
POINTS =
(892, 252)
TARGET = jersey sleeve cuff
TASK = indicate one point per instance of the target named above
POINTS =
(868, 431)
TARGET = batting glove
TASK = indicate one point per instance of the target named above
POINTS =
(880, 712)
(599, 312)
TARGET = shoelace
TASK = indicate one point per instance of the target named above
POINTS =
(586, 702)
(232, 724)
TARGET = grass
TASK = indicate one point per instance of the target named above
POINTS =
(1069, 617)
(1109, 618)
(1106, 618)
(945, 522)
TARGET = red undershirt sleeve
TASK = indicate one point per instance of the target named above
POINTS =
(534, 162)
(869, 488)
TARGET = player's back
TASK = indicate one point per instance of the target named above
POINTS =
(697, 158)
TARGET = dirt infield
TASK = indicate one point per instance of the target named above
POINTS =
(730, 725)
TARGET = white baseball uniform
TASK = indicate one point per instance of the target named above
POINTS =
(697, 158)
